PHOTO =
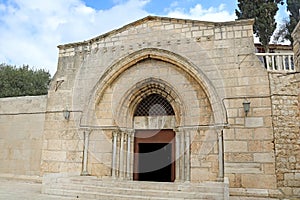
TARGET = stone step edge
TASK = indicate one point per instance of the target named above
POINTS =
(182, 188)
(91, 188)
(77, 194)
(144, 186)
(125, 182)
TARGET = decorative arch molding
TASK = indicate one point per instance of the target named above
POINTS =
(136, 93)
(117, 68)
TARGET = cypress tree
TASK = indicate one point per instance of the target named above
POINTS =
(263, 12)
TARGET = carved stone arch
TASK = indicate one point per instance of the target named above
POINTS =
(136, 93)
(117, 68)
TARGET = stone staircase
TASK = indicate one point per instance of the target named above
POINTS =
(89, 187)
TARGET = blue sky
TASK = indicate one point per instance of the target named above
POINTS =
(30, 30)
(160, 7)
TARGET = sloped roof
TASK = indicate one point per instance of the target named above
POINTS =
(154, 18)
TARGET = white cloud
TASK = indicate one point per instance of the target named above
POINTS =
(30, 30)
(198, 12)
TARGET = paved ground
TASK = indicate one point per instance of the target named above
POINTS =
(25, 190)
(11, 189)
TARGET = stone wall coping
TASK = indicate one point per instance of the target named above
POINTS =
(20, 98)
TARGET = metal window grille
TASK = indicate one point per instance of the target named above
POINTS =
(154, 105)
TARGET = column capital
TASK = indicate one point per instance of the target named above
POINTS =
(220, 132)
(115, 133)
(126, 130)
(178, 129)
(130, 133)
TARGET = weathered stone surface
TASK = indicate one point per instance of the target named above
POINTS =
(286, 118)
(258, 181)
(21, 134)
(205, 71)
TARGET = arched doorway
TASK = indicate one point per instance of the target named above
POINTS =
(154, 150)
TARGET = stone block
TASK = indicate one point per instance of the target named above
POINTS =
(208, 32)
(103, 146)
(258, 181)
(73, 145)
(99, 169)
(54, 144)
(71, 167)
(261, 111)
(253, 122)
(269, 168)
(242, 168)
(54, 155)
(200, 174)
(238, 157)
(243, 134)
(235, 146)
(268, 146)
(229, 134)
(239, 121)
(263, 134)
(296, 191)
(234, 180)
(264, 157)
(255, 146)
(74, 156)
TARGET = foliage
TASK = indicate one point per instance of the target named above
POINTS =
(23, 81)
(263, 12)
(286, 29)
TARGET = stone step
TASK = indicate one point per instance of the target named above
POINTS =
(80, 195)
(137, 191)
(88, 187)
(175, 186)
(76, 194)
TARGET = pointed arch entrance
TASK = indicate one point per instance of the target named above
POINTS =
(154, 150)
(195, 103)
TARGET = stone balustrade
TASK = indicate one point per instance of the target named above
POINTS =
(279, 62)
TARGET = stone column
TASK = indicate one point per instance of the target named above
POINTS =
(221, 155)
(128, 166)
(85, 153)
(182, 156)
(114, 154)
(178, 163)
(121, 154)
(187, 155)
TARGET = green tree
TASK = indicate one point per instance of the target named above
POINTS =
(263, 12)
(23, 81)
(286, 29)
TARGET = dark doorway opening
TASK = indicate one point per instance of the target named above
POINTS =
(155, 162)
(154, 158)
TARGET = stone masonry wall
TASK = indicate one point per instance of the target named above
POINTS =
(220, 55)
(21, 134)
(286, 119)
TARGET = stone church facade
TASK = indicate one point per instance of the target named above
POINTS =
(161, 99)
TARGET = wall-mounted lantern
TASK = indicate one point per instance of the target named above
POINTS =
(66, 114)
(246, 106)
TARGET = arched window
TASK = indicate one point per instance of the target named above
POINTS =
(154, 105)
